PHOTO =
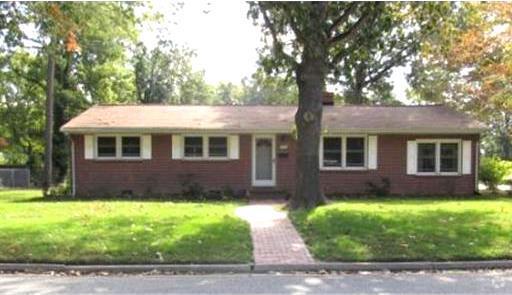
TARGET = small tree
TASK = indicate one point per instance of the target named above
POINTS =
(493, 172)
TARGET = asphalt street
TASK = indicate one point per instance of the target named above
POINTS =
(485, 282)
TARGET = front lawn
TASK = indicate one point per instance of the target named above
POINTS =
(114, 231)
(401, 230)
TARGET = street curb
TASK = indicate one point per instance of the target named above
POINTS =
(128, 268)
(385, 266)
(257, 268)
(32, 267)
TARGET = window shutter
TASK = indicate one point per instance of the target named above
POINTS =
(146, 146)
(234, 147)
(372, 152)
(412, 160)
(88, 147)
(466, 157)
(177, 147)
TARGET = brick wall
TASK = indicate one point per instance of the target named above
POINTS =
(392, 164)
(162, 174)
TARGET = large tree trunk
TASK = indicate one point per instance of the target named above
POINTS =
(310, 78)
(48, 150)
(354, 95)
(60, 148)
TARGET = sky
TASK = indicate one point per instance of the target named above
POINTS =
(224, 39)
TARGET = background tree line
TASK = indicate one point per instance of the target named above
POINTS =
(458, 53)
(97, 58)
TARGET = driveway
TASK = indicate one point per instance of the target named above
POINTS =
(488, 282)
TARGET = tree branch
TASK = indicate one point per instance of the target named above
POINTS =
(351, 32)
(277, 46)
(293, 25)
(269, 24)
(343, 18)
(386, 67)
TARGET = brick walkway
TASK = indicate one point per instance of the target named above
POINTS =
(274, 238)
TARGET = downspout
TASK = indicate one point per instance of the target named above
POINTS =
(73, 177)
(477, 164)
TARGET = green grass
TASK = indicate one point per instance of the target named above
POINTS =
(404, 230)
(114, 231)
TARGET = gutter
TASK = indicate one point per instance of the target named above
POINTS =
(162, 130)
(257, 268)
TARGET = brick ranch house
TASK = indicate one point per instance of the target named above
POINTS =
(145, 149)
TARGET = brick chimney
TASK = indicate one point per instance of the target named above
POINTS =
(328, 98)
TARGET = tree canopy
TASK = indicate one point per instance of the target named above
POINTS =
(350, 43)
(87, 41)
(468, 65)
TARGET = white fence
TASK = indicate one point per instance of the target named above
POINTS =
(14, 177)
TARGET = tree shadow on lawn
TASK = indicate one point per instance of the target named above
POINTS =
(420, 200)
(124, 199)
(131, 240)
(338, 235)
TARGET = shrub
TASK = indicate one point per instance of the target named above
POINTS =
(493, 171)
(379, 190)
(61, 190)
(228, 192)
(192, 190)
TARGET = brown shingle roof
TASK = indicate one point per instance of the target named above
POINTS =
(166, 118)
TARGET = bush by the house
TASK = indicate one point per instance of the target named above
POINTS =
(379, 190)
(61, 190)
(192, 190)
(493, 171)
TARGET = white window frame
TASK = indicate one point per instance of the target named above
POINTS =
(206, 150)
(96, 146)
(183, 147)
(322, 153)
(438, 143)
(119, 147)
(208, 147)
(344, 152)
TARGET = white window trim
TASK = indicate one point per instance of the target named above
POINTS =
(120, 139)
(344, 166)
(206, 156)
(438, 143)
(119, 148)
(208, 147)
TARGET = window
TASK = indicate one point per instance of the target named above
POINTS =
(194, 147)
(343, 152)
(355, 152)
(449, 157)
(438, 157)
(118, 147)
(332, 152)
(217, 147)
(131, 147)
(106, 147)
(426, 157)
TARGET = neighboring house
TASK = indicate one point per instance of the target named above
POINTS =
(152, 148)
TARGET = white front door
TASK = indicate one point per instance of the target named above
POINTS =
(263, 160)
